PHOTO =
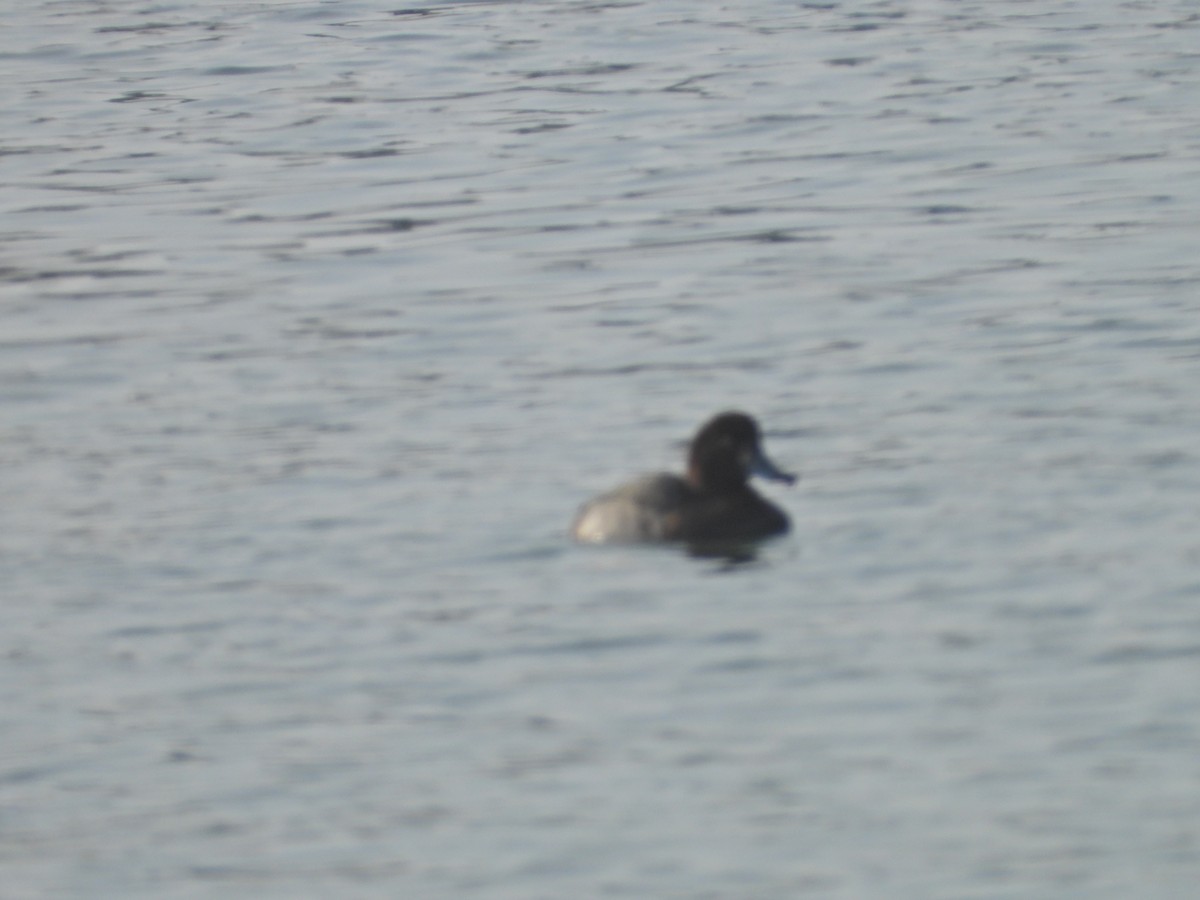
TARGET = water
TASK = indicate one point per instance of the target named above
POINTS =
(317, 321)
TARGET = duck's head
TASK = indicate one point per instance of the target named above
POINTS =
(726, 451)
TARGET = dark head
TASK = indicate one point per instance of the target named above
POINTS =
(727, 451)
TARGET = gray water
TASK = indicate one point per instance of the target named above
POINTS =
(318, 320)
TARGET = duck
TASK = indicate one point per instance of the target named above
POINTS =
(711, 502)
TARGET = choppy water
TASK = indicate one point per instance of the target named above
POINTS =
(317, 320)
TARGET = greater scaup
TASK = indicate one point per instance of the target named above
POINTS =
(711, 503)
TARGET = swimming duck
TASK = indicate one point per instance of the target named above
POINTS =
(710, 503)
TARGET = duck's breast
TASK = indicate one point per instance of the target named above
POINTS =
(736, 516)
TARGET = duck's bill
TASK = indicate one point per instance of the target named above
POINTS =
(764, 468)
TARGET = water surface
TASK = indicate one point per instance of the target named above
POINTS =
(317, 320)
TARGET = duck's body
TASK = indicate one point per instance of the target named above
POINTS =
(711, 503)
